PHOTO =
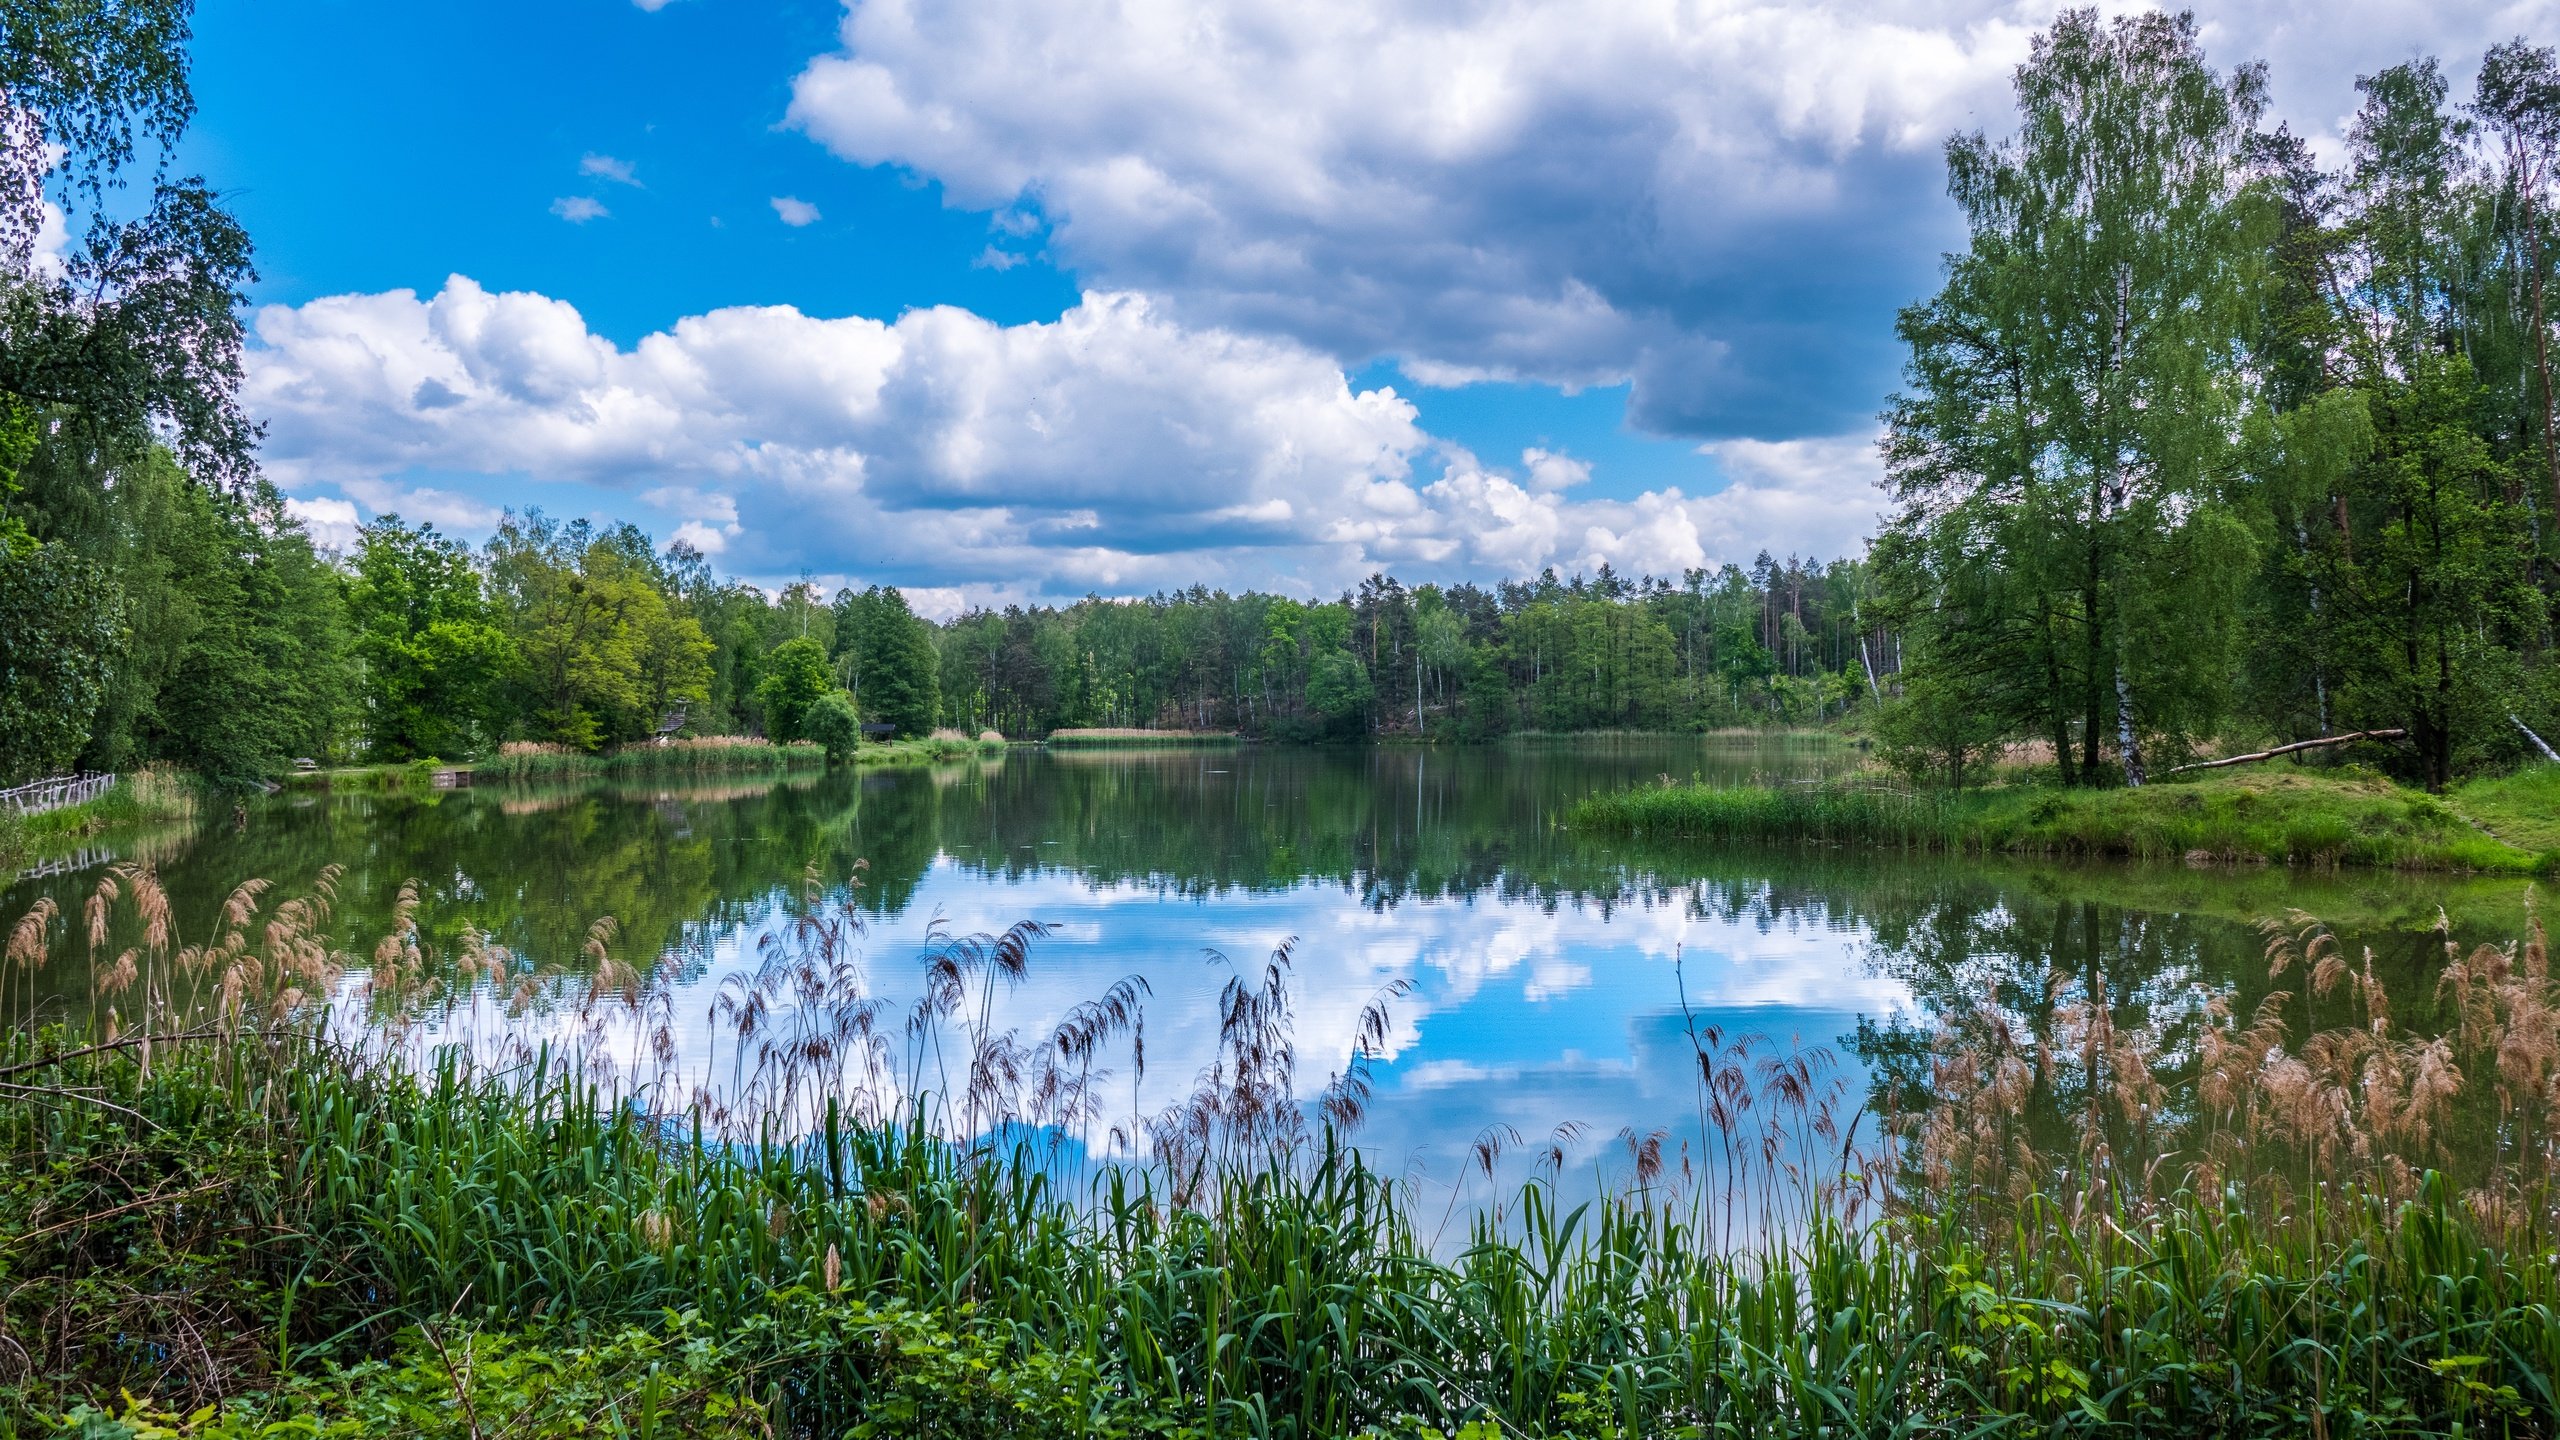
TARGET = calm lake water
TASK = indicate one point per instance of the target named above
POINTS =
(1547, 969)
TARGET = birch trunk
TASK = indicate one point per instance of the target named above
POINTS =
(2128, 735)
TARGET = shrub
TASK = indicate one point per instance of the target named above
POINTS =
(834, 725)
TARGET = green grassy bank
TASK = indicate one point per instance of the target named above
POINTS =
(155, 796)
(1102, 737)
(714, 755)
(2274, 814)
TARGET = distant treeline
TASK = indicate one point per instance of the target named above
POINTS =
(152, 618)
(156, 619)
(1789, 641)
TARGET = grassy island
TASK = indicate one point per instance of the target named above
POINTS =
(2278, 815)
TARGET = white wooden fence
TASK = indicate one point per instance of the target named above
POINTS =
(88, 857)
(38, 796)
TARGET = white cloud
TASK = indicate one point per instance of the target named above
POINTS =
(1722, 200)
(709, 519)
(701, 537)
(605, 167)
(579, 209)
(52, 254)
(423, 505)
(1811, 497)
(1112, 449)
(794, 212)
(1554, 470)
(1577, 193)
(331, 523)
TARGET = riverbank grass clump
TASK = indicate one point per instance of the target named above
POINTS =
(693, 755)
(1106, 737)
(2278, 814)
(937, 748)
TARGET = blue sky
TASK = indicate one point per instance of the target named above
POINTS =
(1014, 299)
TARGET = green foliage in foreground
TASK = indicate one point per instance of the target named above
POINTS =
(276, 1239)
(2278, 815)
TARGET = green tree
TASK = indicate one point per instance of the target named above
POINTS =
(888, 656)
(432, 656)
(1338, 689)
(833, 722)
(2065, 442)
(2432, 593)
(601, 652)
(63, 619)
(1938, 728)
(1488, 697)
(795, 680)
(263, 677)
(136, 337)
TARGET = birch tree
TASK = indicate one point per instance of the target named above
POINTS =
(2077, 388)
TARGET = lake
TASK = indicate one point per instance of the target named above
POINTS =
(1539, 987)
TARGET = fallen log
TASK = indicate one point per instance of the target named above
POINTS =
(2294, 748)
(2538, 743)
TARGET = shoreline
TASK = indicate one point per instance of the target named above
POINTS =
(2275, 816)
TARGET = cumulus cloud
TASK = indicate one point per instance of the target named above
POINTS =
(51, 256)
(794, 212)
(1113, 449)
(1815, 497)
(1565, 193)
(422, 504)
(579, 209)
(332, 523)
(1722, 202)
(708, 519)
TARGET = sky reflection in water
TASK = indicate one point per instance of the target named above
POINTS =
(1541, 961)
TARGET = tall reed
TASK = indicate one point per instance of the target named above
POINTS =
(694, 755)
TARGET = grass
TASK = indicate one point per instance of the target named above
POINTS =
(223, 1223)
(1094, 737)
(155, 795)
(698, 755)
(2274, 814)
(419, 774)
(718, 755)
(929, 749)
(2522, 809)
